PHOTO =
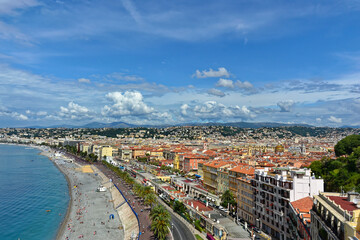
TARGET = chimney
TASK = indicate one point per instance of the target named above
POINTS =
(352, 196)
(197, 208)
(192, 204)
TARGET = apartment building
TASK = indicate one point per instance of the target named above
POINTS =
(299, 215)
(211, 174)
(245, 198)
(106, 151)
(234, 174)
(336, 216)
(125, 154)
(223, 180)
(190, 162)
(274, 189)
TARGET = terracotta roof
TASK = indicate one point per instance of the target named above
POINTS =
(344, 203)
(304, 205)
(201, 206)
(245, 169)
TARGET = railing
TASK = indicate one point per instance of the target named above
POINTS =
(132, 210)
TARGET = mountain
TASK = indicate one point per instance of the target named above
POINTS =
(108, 125)
(248, 124)
(128, 125)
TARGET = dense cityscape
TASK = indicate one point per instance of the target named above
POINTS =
(230, 182)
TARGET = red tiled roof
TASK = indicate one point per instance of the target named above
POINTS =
(304, 205)
(201, 206)
(344, 203)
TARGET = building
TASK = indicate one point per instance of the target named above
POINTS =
(274, 189)
(245, 199)
(234, 174)
(190, 162)
(299, 215)
(105, 151)
(211, 174)
(223, 180)
(336, 216)
(125, 154)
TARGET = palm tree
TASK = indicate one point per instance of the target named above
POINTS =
(150, 199)
(160, 221)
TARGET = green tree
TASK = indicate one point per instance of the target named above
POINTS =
(228, 199)
(150, 199)
(160, 221)
(179, 207)
(347, 145)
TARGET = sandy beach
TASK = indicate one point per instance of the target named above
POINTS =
(91, 214)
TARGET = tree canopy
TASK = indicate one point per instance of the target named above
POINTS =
(342, 173)
(227, 198)
(347, 145)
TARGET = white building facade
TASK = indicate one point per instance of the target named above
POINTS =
(273, 190)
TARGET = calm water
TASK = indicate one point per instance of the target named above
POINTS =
(30, 184)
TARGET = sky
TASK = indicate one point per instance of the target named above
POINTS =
(170, 62)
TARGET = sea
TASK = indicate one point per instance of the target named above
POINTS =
(30, 184)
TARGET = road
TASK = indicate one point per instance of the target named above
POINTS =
(180, 230)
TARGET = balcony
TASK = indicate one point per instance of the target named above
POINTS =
(326, 225)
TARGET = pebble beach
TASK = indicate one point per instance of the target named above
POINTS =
(91, 214)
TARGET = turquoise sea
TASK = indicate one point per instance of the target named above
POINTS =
(30, 184)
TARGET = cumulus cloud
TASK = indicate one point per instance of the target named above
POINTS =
(84, 80)
(127, 103)
(243, 85)
(183, 108)
(227, 83)
(7, 113)
(221, 72)
(285, 106)
(216, 92)
(212, 110)
(74, 111)
(335, 119)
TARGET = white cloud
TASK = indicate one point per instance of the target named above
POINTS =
(221, 72)
(335, 119)
(7, 113)
(183, 108)
(243, 85)
(10, 6)
(21, 117)
(128, 103)
(285, 106)
(212, 110)
(318, 120)
(84, 80)
(216, 92)
(74, 111)
(227, 83)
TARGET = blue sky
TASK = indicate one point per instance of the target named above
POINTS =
(151, 62)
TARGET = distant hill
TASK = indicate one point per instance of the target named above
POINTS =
(231, 124)
(108, 125)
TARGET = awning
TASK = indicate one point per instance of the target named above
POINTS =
(196, 175)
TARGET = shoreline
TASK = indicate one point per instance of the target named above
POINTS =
(88, 211)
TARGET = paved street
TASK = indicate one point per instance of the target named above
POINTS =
(179, 230)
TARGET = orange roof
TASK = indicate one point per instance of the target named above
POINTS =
(244, 169)
(303, 205)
